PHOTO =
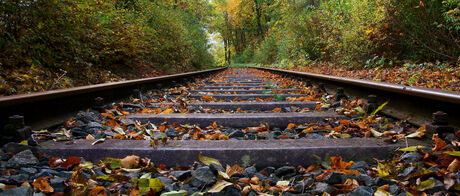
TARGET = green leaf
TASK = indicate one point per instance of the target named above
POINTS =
(106, 178)
(2, 186)
(453, 153)
(378, 109)
(113, 162)
(382, 171)
(427, 184)
(219, 186)
(208, 160)
(411, 148)
(146, 184)
(359, 110)
(175, 193)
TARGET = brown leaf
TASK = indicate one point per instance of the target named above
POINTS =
(439, 144)
(42, 184)
(71, 162)
(233, 170)
(98, 191)
(454, 166)
(130, 162)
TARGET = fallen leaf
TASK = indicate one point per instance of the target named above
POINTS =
(168, 111)
(207, 160)
(145, 185)
(176, 193)
(439, 144)
(71, 162)
(454, 166)
(276, 110)
(98, 141)
(42, 184)
(411, 148)
(130, 161)
(219, 186)
(98, 191)
(290, 126)
(90, 137)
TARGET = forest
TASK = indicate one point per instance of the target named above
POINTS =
(50, 44)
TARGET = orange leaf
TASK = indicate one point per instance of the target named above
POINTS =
(206, 98)
(345, 122)
(162, 128)
(112, 123)
(42, 184)
(290, 126)
(98, 191)
(236, 99)
(439, 144)
(276, 110)
(283, 137)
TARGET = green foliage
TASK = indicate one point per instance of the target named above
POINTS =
(79, 35)
(349, 32)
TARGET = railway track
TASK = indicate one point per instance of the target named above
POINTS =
(262, 117)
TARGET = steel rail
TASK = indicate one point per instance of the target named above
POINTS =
(40, 107)
(404, 100)
(435, 94)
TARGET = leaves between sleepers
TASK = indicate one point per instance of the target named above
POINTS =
(42, 184)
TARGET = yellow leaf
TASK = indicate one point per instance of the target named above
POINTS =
(411, 148)
(290, 126)
(168, 111)
(208, 160)
(369, 31)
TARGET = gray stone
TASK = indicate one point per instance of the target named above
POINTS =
(181, 175)
(362, 191)
(410, 157)
(229, 190)
(394, 189)
(17, 148)
(94, 125)
(19, 179)
(203, 176)
(299, 188)
(214, 167)
(20, 191)
(250, 171)
(359, 164)
(382, 181)
(91, 116)
(333, 178)
(322, 187)
(406, 171)
(366, 179)
(29, 170)
(274, 135)
(269, 170)
(285, 171)
(46, 172)
(165, 180)
(65, 174)
(171, 132)
(4, 156)
(236, 133)
(57, 184)
(22, 159)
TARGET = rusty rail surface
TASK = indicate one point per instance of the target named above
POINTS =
(48, 108)
(418, 102)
